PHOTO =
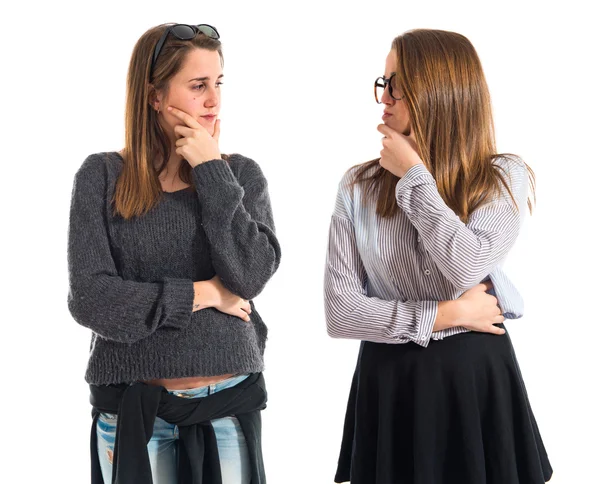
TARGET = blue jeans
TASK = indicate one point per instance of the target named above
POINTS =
(162, 448)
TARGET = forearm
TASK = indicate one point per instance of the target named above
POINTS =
(379, 321)
(244, 257)
(352, 314)
(390, 321)
(238, 223)
(464, 253)
(127, 311)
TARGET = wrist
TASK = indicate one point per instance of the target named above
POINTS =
(447, 315)
(413, 163)
(206, 159)
(211, 157)
(206, 294)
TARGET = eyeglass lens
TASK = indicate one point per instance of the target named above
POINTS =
(381, 84)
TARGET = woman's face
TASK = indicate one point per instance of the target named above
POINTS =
(195, 89)
(395, 113)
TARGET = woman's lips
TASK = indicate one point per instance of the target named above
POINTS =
(386, 116)
(210, 117)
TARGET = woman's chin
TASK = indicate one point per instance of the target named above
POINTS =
(208, 125)
(393, 124)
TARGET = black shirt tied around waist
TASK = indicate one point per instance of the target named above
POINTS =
(137, 407)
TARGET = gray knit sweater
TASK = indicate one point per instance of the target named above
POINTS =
(131, 282)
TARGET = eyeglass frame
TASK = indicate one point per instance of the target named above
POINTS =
(386, 83)
(161, 42)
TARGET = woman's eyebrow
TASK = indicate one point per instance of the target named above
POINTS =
(202, 79)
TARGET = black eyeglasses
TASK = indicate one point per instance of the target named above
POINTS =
(182, 32)
(381, 83)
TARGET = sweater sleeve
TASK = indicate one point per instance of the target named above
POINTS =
(238, 222)
(99, 298)
(349, 311)
(464, 253)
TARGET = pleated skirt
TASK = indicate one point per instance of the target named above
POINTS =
(456, 412)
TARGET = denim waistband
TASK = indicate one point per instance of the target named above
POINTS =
(210, 389)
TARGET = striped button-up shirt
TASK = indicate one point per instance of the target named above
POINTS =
(384, 277)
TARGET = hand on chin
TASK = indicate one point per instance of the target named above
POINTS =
(399, 153)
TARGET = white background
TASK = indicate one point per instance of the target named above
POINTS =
(298, 99)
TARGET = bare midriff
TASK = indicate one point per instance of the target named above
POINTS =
(188, 382)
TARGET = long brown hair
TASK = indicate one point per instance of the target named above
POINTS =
(138, 188)
(450, 112)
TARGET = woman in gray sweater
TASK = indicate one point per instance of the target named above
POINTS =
(169, 242)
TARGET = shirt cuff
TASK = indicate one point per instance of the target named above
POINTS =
(417, 175)
(213, 171)
(426, 321)
(178, 296)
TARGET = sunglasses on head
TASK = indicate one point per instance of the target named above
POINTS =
(182, 32)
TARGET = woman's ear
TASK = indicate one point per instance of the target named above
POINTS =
(154, 99)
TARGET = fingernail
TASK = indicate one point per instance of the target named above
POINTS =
(169, 108)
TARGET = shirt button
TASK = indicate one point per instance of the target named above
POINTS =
(427, 272)
(418, 239)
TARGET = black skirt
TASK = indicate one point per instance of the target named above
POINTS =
(455, 412)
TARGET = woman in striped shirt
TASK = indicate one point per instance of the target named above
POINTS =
(414, 270)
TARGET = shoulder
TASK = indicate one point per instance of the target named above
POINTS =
(517, 177)
(100, 164)
(98, 173)
(351, 179)
(246, 170)
(350, 189)
(510, 166)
